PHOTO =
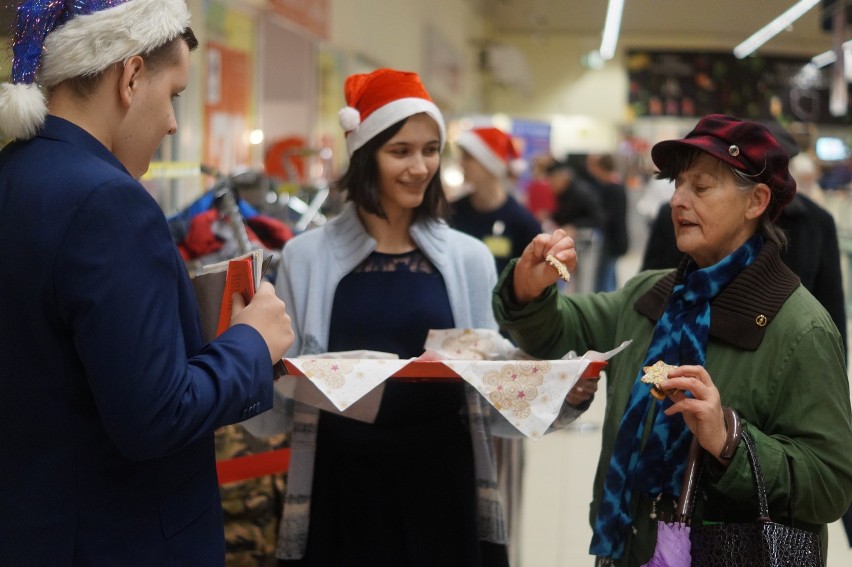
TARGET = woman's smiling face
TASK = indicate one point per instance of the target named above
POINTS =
(407, 162)
(712, 214)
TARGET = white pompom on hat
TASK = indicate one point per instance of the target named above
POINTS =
(22, 110)
(349, 118)
(55, 41)
(377, 100)
(494, 149)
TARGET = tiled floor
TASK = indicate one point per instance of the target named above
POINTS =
(557, 482)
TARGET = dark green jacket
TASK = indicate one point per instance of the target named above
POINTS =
(774, 354)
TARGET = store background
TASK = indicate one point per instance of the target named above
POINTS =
(272, 71)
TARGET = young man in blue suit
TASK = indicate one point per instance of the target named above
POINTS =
(109, 397)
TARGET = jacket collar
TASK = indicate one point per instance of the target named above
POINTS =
(740, 314)
(56, 128)
(352, 243)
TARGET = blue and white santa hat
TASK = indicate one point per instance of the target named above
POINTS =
(56, 40)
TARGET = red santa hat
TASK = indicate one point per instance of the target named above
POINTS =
(55, 41)
(494, 149)
(377, 100)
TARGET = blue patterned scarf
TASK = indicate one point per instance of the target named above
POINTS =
(680, 337)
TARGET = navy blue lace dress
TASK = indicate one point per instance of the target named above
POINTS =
(402, 491)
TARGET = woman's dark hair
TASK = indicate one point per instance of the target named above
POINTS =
(683, 160)
(85, 85)
(361, 181)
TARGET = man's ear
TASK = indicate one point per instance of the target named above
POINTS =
(759, 200)
(129, 80)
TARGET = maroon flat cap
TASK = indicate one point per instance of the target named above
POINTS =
(747, 146)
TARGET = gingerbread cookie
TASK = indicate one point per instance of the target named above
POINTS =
(654, 375)
(559, 266)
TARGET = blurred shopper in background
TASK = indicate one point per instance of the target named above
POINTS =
(577, 205)
(580, 214)
(661, 249)
(540, 198)
(109, 396)
(805, 170)
(489, 211)
(613, 197)
(655, 194)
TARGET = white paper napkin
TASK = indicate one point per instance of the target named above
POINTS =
(346, 380)
(528, 393)
(469, 344)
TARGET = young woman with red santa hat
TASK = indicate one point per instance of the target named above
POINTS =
(418, 485)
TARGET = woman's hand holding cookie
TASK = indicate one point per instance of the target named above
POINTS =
(702, 411)
(533, 273)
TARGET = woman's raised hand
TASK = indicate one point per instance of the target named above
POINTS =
(533, 274)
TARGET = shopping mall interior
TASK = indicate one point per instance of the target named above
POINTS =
(266, 85)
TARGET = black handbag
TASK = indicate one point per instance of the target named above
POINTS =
(760, 543)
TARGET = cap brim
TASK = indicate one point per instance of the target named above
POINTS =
(662, 152)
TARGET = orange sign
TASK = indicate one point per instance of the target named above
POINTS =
(227, 108)
(311, 15)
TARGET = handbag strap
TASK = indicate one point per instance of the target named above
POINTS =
(759, 484)
(692, 476)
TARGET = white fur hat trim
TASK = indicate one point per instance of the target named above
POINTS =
(476, 147)
(22, 110)
(88, 44)
(390, 114)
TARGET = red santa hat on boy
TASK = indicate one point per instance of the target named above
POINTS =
(377, 100)
(494, 149)
(56, 40)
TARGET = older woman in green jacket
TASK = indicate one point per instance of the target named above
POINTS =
(740, 330)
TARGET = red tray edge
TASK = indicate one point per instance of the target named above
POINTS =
(437, 370)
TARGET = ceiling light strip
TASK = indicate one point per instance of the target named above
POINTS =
(829, 57)
(773, 28)
(611, 29)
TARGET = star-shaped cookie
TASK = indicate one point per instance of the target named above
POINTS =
(654, 375)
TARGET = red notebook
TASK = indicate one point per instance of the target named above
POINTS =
(239, 279)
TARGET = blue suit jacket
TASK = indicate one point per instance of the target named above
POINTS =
(108, 397)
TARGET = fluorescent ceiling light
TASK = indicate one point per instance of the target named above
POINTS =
(610, 32)
(773, 28)
(828, 57)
